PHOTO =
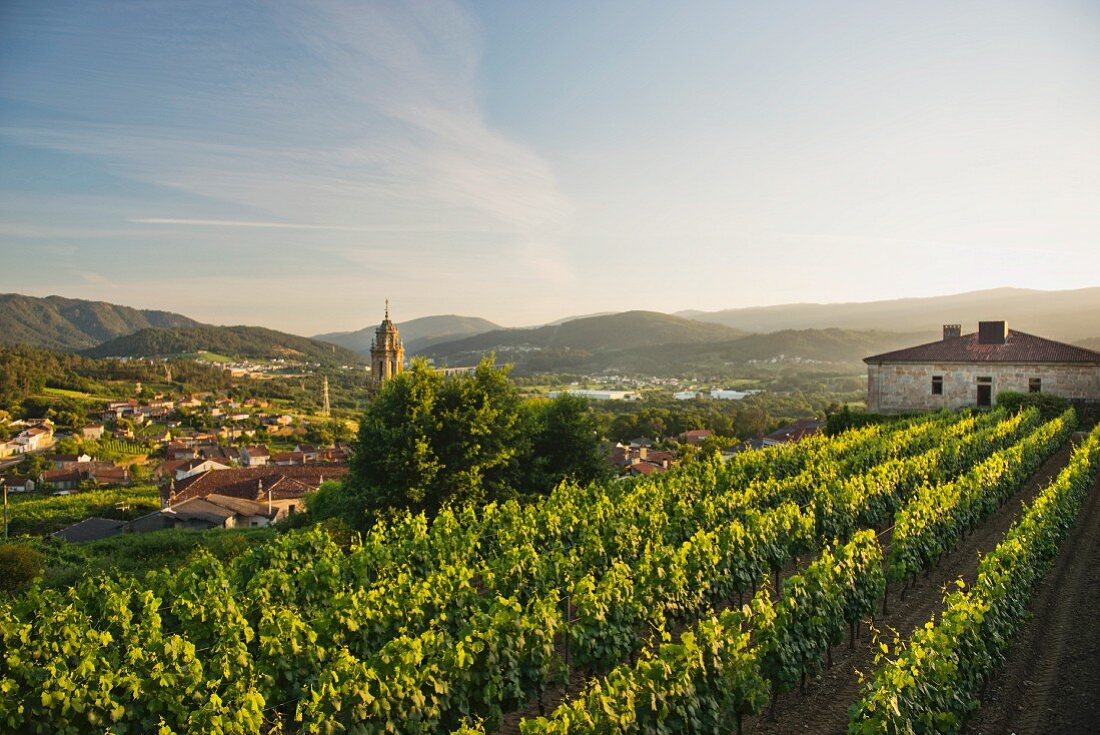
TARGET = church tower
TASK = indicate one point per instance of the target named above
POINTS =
(387, 354)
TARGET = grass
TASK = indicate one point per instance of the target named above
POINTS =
(39, 514)
(65, 393)
(209, 357)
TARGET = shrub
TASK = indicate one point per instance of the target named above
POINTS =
(1049, 406)
(19, 566)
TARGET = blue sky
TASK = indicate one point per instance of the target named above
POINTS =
(294, 164)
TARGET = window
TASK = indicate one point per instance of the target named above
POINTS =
(290, 509)
(985, 392)
(1035, 385)
(937, 385)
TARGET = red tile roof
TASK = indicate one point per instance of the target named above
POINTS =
(252, 482)
(1017, 347)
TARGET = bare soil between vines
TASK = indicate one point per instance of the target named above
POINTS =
(1050, 682)
(823, 708)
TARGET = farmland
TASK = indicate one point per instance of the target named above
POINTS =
(714, 598)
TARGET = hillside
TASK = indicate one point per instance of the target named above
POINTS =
(418, 334)
(806, 350)
(1063, 315)
(580, 338)
(831, 349)
(73, 324)
(237, 342)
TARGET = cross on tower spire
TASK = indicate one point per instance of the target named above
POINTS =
(387, 308)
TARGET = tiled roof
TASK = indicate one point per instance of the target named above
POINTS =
(796, 431)
(252, 482)
(1017, 347)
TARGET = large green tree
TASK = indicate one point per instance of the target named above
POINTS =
(565, 443)
(429, 441)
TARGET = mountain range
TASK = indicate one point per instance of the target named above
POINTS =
(1063, 315)
(635, 342)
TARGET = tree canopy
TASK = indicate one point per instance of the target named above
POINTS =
(428, 441)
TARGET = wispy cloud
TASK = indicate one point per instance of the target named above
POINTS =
(376, 126)
(284, 225)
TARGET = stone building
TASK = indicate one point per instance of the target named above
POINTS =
(969, 370)
(387, 354)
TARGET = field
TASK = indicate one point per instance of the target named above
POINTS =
(697, 602)
(65, 393)
(207, 356)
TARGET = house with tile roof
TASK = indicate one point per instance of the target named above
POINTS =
(969, 370)
(281, 487)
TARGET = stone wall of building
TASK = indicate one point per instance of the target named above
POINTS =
(900, 387)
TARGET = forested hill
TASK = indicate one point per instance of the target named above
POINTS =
(74, 324)
(598, 334)
(829, 349)
(235, 342)
(836, 348)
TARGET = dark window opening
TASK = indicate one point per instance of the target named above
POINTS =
(937, 385)
(985, 392)
(1035, 385)
(290, 509)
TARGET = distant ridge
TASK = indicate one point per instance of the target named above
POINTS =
(59, 323)
(1063, 315)
(236, 342)
(418, 334)
(586, 335)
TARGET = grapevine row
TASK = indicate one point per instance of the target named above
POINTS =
(929, 682)
(464, 612)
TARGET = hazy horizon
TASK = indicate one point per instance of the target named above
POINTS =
(293, 165)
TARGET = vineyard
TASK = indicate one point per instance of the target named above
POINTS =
(690, 602)
(39, 514)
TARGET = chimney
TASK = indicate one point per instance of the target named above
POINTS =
(992, 333)
(951, 331)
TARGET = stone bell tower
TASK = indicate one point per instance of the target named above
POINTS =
(387, 354)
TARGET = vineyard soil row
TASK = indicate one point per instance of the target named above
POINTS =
(1050, 680)
(824, 707)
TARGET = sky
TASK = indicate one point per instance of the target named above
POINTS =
(294, 164)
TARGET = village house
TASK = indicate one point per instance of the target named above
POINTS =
(69, 461)
(17, 484)
(91, 432)
(70, 478)
(695, 437)
(33, 439)
(191, 467)
(282, 487)
(630, 460)
(218, 511)
(255, 456)
(177, 450)
(969, 370)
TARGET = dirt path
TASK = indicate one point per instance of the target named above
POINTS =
(824, 707)
(1050, 682)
